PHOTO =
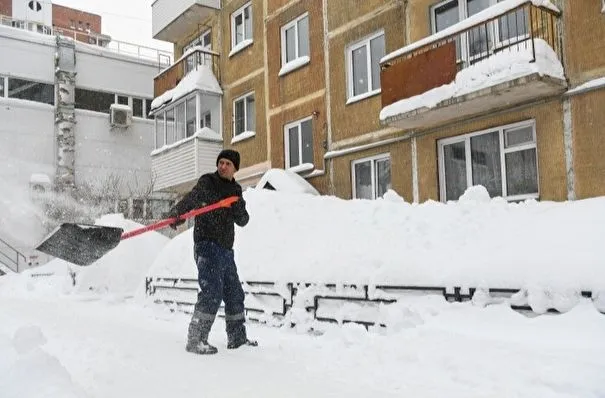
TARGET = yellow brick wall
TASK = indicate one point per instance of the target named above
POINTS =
(342, 12)
(362, 116)
(401, 169)
(250, 60)
(550, 147)
(279, 120)
(307, 79)
(584, 40)
(253, 150)
(588, 122)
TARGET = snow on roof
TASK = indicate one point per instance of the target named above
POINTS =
(120, 106)
(207, 133)
(589, 85)
(504, 66)
(39, 178)
(489, 13)
(201, 79)
(5, 269)
(286, 181)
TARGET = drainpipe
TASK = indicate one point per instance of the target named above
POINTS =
(329, 163)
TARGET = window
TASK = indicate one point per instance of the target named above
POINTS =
(363, 66)
(160, 130)
(190, 117)
(31, 91)
(295, 39)
(179, 121)
(137, 107)
(96, 101)
(157, 207)
(244, 116)
(148, 102)
(2, 85)
(371, 177)
(479, 42)
(206, 120)
(205, 41)
(298, 140)
(502, 159)
(121, 99)
(241, 25)
(138, 208)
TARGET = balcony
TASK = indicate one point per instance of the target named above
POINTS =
(177, 167)
(506, 55)
(171, 20)
(191, 61)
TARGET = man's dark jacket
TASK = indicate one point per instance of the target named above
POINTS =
(216, 225)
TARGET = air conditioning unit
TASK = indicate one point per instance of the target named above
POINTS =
(120, 115)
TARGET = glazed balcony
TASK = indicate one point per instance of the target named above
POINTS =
(506, 55)
(171, 20)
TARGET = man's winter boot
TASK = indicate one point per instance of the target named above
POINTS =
(236, 335)
(197, 337)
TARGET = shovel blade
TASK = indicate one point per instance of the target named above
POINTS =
(80, 244)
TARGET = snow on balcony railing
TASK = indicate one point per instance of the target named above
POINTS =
(190, 61)
(511, 39)
(479, 20)
(87, 37)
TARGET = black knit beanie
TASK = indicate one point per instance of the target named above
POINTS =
(230, 154)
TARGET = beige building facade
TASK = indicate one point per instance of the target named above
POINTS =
(379, 95)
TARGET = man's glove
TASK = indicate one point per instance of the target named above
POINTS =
(173, 214)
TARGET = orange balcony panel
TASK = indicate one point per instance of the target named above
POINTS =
(407, 77)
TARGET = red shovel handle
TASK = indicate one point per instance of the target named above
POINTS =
(227, 202)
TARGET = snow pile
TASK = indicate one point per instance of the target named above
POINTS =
(38, 373)
(285, 181)
(122, 270)
(507, 65)
(477, 241)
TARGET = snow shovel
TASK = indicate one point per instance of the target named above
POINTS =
(83, 244)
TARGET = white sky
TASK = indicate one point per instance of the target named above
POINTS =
(124, 20)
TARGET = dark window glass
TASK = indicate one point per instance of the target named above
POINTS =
(31, 91)
(94, 100)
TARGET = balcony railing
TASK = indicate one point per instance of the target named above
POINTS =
(163, 58)
(496, 35)
(171, 76)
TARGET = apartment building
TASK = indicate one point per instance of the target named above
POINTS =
(426, 97)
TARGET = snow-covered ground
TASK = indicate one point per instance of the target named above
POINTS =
(79, 346)
(100, 336)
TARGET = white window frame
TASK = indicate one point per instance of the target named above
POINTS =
(284, 52)
(297, 123)
(365, 42)
(173, 107)
(234, 43)
(246, 127)
(372, 160)
(199, 41)
(503, 151)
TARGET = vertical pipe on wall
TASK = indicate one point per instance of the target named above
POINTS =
(568, 141)
(330, 162)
